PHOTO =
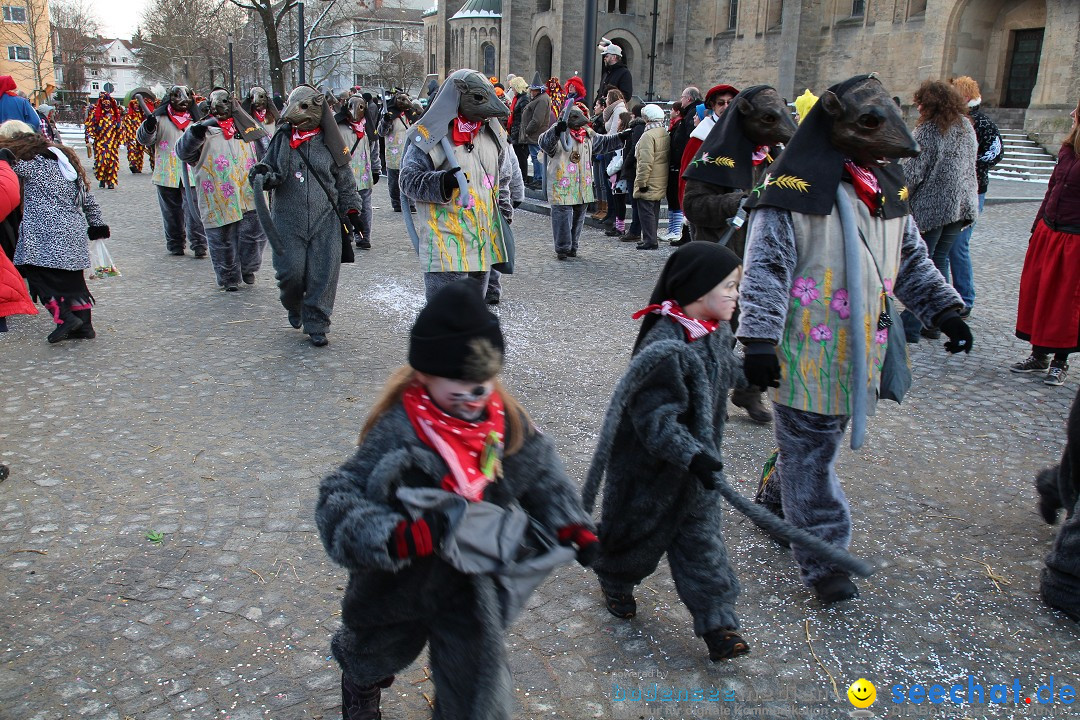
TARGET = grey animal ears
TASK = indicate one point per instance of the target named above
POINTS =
(461, 85)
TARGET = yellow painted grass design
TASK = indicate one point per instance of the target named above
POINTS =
(904, 194)
(790, 182)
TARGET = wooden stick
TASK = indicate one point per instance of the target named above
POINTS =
(831, 678)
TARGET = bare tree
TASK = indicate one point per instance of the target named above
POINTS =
(76, 30)
(400, 66)
(28, 26)
(186, 39)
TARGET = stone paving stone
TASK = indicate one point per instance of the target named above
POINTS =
(201, 415)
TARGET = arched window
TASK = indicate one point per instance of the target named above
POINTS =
(544, 56)
(488, 51)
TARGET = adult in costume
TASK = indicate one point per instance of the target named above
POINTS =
(393, 129)
(315, 201)
(221, 151)
(258, 105)
(454, 172)
(366, 167)
(105, 129)
(133, 118)
(176, 195)
(830, 240)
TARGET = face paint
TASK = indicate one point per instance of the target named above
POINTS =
(458, 398)
(718, 304)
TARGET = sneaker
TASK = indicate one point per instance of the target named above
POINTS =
(614, 232)
(1034, 363)
(572, 253)
(620, 605)
(1057, 374)
(561, 256)
(200, 255)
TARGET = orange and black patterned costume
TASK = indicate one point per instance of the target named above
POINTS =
(86, 131)
(133, 118)
(105, 128)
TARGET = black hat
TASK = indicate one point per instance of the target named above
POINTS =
(455, 336)
(689, 273)
(725, 158)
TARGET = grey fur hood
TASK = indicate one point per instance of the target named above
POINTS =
(942, 180)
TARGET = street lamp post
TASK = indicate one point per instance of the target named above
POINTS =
(300, 30)
(232, 74)
(588, 62)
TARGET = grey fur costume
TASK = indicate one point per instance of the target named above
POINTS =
(393, 607)
(942, 179)
(1059, 488)
(670, 406)
(307, 242)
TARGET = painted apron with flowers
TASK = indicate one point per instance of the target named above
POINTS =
(221, 179)
(569, 173)
(394, 143)
(470, 238)
(166, 164)
(361, 157)
(814, 351)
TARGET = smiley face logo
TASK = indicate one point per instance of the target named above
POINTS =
(862, 693)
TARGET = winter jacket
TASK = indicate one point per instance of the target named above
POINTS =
(612, 113)
(629, 168)
(1061, 204)
(650, 180)
(537, 118)
(13, 107)
(617, 76)
(14, 299)
(517, 119)
(991, 148)
(56, 216)
(941, 179)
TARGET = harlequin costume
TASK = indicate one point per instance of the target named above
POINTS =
(105, 128)
(133, 118)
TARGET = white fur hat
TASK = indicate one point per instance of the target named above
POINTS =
(652, 112)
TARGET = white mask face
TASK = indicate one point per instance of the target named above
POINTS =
(462, 399)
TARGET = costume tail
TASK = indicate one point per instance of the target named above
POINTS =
(786, 531)
(263, 212)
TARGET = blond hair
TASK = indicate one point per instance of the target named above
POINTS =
(518, 422)
(967, 87)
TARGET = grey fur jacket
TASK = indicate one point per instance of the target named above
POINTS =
(358, 510)
(669, 406)
(942, 181)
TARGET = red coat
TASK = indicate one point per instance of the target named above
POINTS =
(14, 299)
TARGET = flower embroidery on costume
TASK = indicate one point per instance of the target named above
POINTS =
(821, 333)
(572, 168)
(489, 181)
(221, 162)
(207, 186)
(805, 290)
(564, 182)
(881, 337)
(228, 190)
(839, 304)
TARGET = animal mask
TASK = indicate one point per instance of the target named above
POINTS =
(356, 107)
(304, 109)
(180, 98)
(220, 105)
(765, 119)
(259, 98)
(866, 124)
(575, 118)
(477, 99)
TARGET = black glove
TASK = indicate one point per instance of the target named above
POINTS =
(98, 232)
(199, 130)
(354, 221)
(150, 123)
(417, 538)
(389, 116)
(8, 156)
(260, 169)
(960, 339)
(374, 178)
(560, 127)
(704, 466)
(449, 183)
(761, 366)
(624, 135)
(516, 204)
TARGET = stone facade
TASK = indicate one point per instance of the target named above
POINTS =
(793, 45)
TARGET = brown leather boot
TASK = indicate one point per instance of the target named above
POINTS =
(601, 210)
(753, 402)
(362, 703)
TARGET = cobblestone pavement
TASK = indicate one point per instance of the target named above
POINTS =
(202, 416)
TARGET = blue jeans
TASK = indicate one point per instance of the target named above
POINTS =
(939, 242)
(538, 167)
(963, 277)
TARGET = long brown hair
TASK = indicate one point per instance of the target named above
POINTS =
(1073, 138)
(518, 422)
(26, 146)
(941, 104)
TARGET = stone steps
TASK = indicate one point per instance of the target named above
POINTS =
(1023, 158)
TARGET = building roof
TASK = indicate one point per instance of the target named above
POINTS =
(479, 9)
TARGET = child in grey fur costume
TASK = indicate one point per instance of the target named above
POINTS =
(660, 448)
(405, 587)
(1059, 488)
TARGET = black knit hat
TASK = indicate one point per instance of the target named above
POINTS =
(455, 336)
(689, 273)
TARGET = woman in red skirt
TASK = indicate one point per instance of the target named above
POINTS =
(1049, 312)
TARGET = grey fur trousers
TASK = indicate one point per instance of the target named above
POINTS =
(810, 492)
(566, 224)
(180, 216)
(307, 275)
(236, 249)
(435, 281)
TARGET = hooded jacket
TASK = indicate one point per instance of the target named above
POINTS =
(617, 76)
(13, 107)
(14, 299)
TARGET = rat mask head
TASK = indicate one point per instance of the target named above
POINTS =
(259, 98)
(866, 124)
(304, 108)
(764, 118)
(356, 107)
(576, 118)
(477, 98)
(220, 104)
(180, 98)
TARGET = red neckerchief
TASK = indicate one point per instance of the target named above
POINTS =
(299, 137)
(465, 131)
(260, 115)
(761, 155)
(226, 126)
(471, 451)
(181, 121)
(580, 134)
(866, 186)
(358, 128)
(695, 329)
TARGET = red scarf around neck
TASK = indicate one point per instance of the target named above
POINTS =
(580, 134)
(866, 186)
(358, 128)
(299, 137)
(260, 115)
(695, 329)
(180, 120)
(471, 450)
(227, 128)
(761, 155)
(464, 131)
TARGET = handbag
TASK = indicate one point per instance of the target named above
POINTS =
(615, 165)
(101, 262)
(895, 379)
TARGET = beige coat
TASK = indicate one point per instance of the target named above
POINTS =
(652, 150)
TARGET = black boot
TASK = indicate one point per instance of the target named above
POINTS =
(86, 332)
(68, 324)
(362, 703)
